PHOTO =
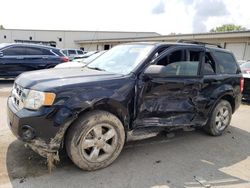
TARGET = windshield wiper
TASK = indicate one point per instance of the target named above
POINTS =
(96, 68)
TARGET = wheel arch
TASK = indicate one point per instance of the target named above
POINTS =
(109, 105)
(226, 96)
(116, 108)
(230, 99)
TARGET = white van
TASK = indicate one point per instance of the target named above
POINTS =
(73, 53)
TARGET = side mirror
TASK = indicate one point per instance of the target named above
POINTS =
(1, 54)
(154, 71)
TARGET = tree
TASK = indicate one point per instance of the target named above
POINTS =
(228, 27)
(1, 27)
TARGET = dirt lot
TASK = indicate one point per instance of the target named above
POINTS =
(181, 159)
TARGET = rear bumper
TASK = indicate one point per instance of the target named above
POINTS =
(246, 90)
(237, 101)
(246, 97)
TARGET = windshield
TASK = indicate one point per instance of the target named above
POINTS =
(245, 65)
(122, 59)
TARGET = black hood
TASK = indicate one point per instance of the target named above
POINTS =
(46, 80)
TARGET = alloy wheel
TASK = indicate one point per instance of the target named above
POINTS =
(222, 118)
(99, 143)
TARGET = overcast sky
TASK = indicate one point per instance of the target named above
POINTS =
(162, 16)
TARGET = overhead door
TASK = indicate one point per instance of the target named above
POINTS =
(238, 49)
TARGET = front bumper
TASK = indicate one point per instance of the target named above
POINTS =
(48, 135)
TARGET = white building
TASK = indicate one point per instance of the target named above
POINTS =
(66, 39)
(237, 42)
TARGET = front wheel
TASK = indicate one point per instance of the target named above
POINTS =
(220, 118)
(95, 140)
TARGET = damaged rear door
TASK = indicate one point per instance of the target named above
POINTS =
(170, 100)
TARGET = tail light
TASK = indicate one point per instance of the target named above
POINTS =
(64, 59)
(241, 84)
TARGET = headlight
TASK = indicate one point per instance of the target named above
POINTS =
(35, 99)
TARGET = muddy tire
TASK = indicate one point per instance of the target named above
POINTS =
(95, 140)
(220, 118)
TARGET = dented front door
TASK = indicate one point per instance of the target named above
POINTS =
(171, 100)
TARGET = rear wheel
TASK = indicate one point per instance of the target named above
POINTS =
(95, 140)
(220, 118)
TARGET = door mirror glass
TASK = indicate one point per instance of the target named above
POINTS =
(1, 54)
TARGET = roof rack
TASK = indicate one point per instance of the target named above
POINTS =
(197, 42)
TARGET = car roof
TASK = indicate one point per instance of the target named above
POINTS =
(72, 49)
(29, 45)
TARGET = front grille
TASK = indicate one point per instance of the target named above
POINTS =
(17, 95)
(246, 89)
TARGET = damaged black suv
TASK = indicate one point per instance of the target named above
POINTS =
(133, 88)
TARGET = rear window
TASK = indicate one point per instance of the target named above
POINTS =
(33, 51)
(226, 63)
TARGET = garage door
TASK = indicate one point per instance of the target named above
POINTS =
(237, 48)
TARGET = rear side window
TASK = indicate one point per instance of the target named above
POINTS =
(14, 51)
(34, 51)
(226, 63)
(37, 51)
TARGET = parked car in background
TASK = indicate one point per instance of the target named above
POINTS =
(135, 89)
(17, 58)
(73, 53)
(245, 67)
(240, 62)
(246, 90)
(81, 62)
(86, 55)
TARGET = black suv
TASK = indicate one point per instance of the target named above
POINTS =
(17, 58)
(133, 88)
